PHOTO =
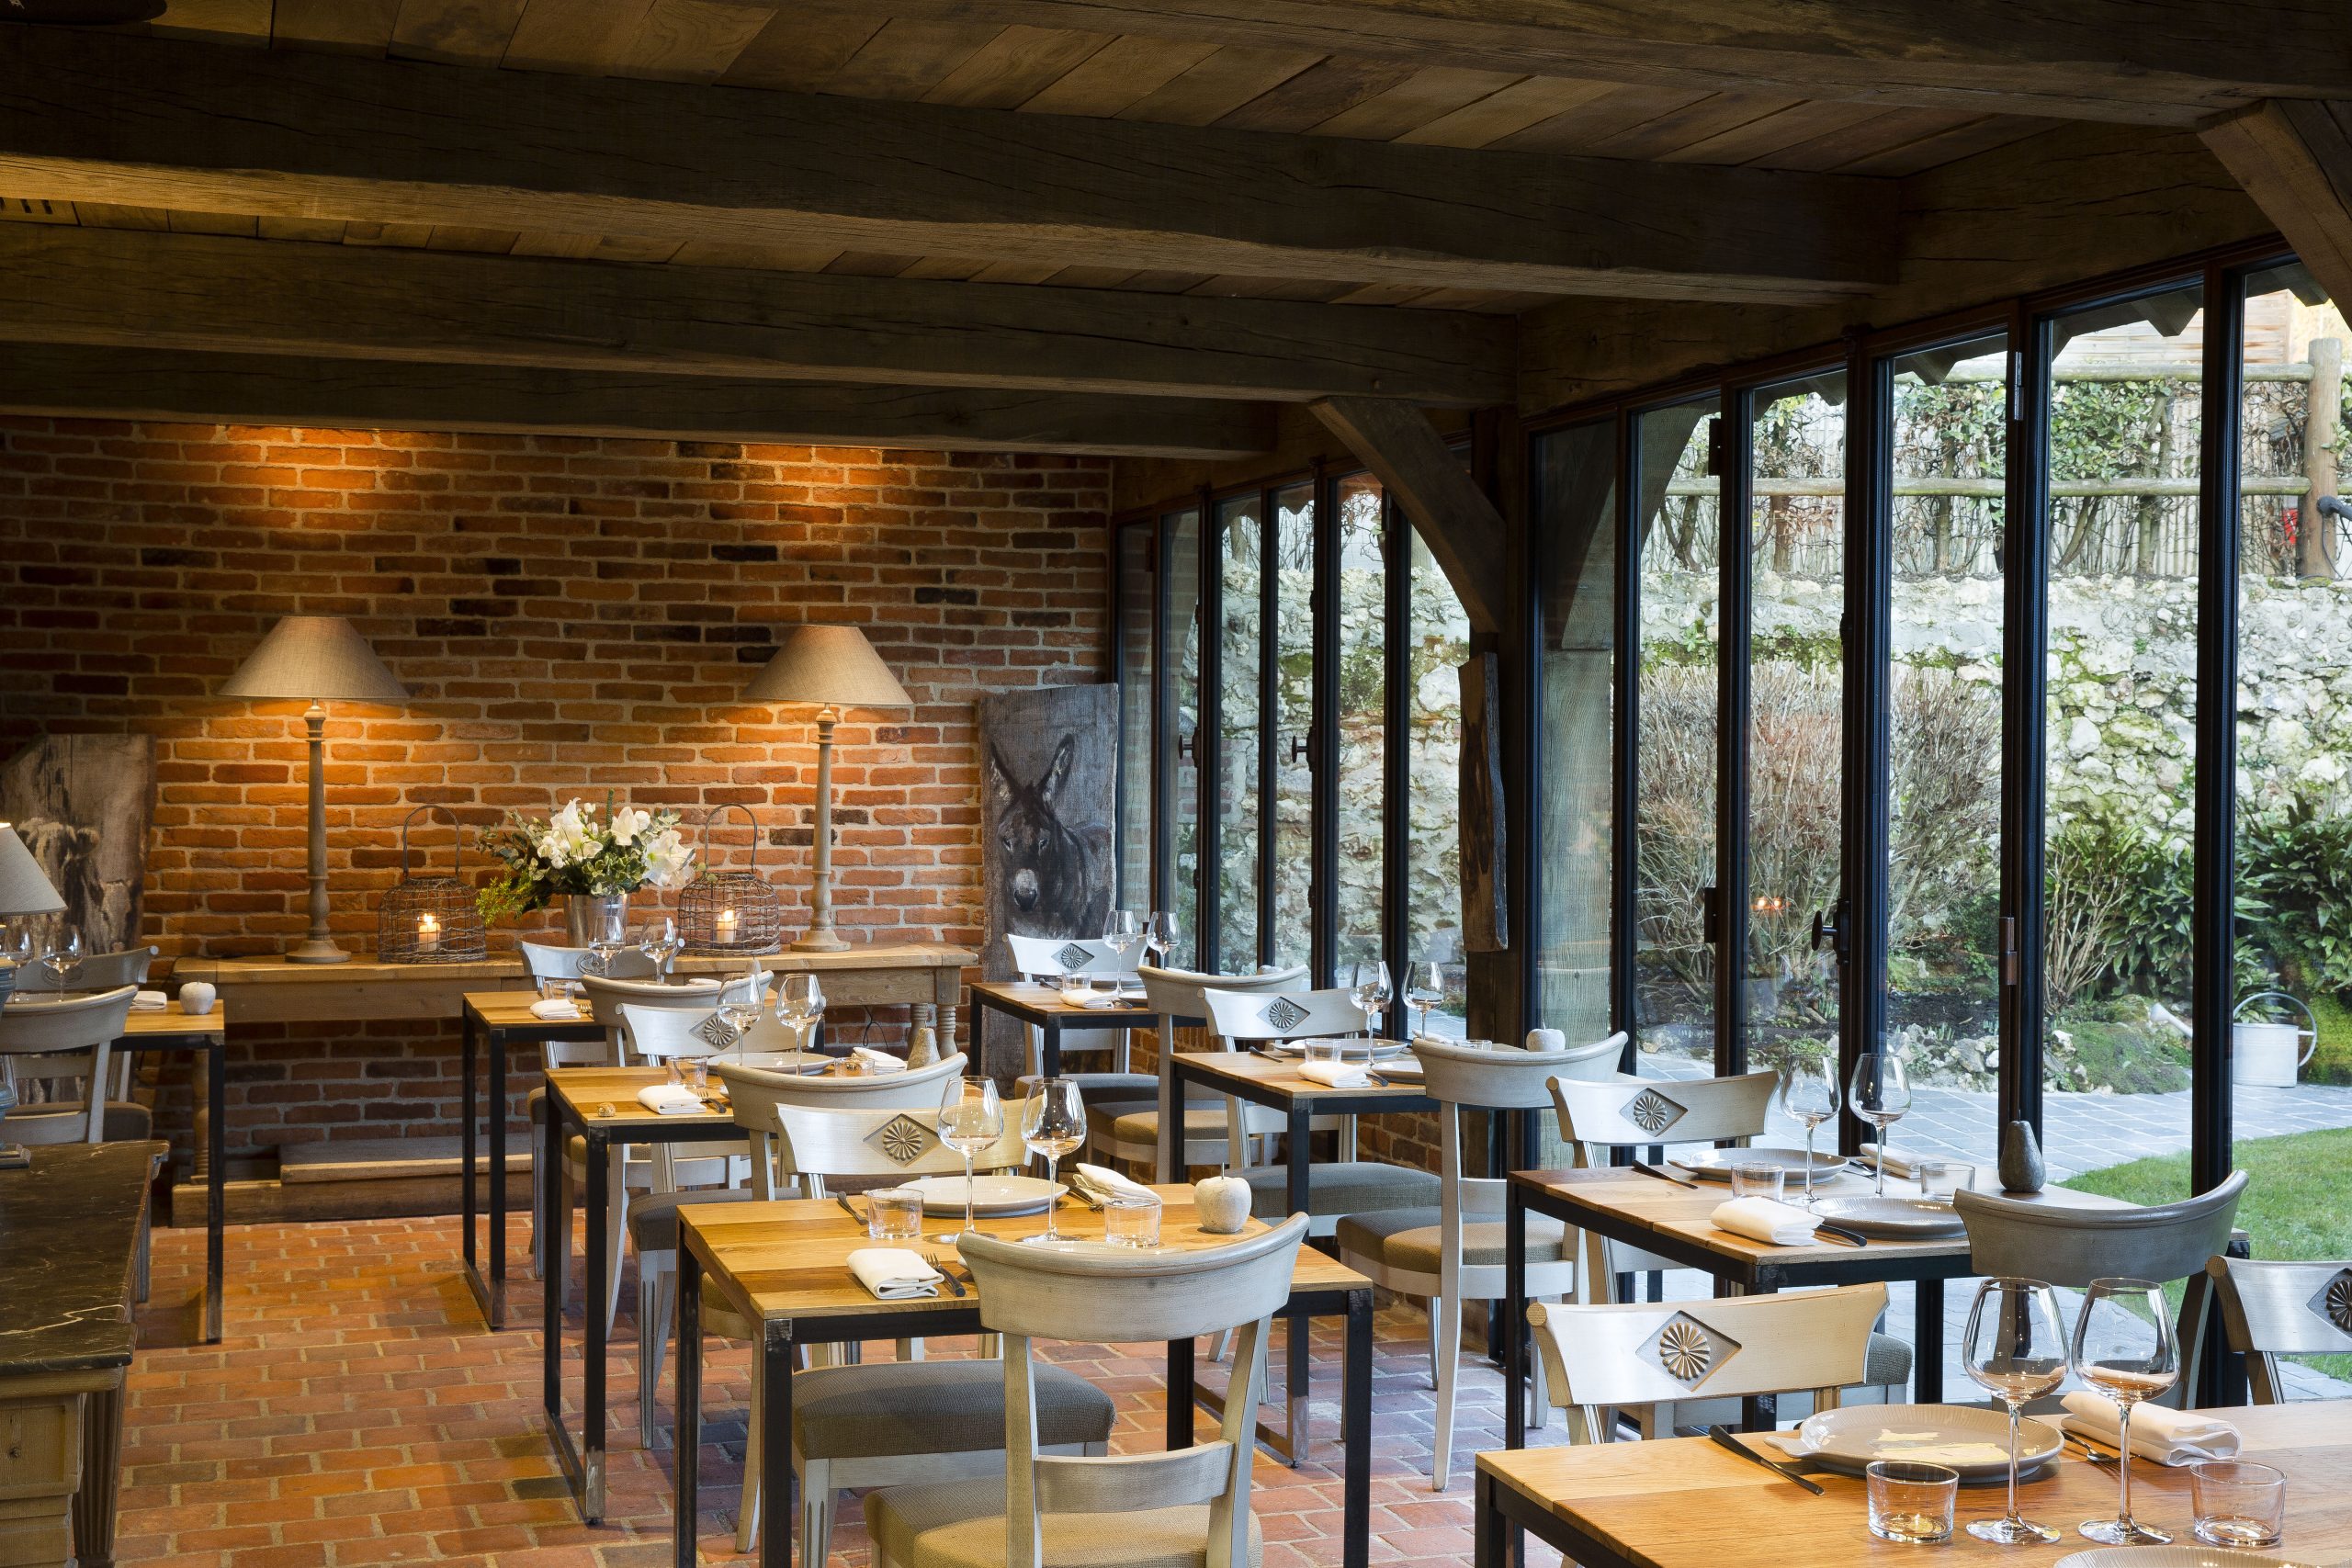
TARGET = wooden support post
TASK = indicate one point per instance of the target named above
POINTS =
(2321, 419)
(2294, 157)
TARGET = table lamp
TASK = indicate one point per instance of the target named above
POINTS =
(835, 668)
(25, 889)
(317, 660)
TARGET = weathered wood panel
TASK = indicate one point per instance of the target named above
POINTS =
(84, 806)
(2295, 160)
(1464, 531)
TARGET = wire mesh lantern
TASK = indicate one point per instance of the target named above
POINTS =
(431, 919)
(730, 912)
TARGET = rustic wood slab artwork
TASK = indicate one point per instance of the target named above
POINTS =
(1486, 919)
(84, 805)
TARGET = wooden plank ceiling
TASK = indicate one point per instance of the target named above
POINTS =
(1038, 71)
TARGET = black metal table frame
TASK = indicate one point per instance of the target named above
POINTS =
(781, 1340)
(490, 1294)
(584, 1462)
(1503, 1510)
(1049, 1025)
(214, 1045)
(1859, 1266)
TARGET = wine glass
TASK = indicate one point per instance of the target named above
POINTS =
(2016, 1346)
(663, 945)
(971, 1119)
(63, 956)
(1160, 935)
(1880, 1094)
(1368, 988)
(1121, 932)
(740, 1003)
(1425, 989)
(2124, 1348)
(800, 1007)
(1052, 1123)
(607, 935)
(1809, 1093)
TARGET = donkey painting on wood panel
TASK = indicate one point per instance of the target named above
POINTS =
(1057, 882)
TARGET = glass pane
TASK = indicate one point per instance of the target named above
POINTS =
(1364, 684)
(1132, 555)
(1293, 718)
(1239, 561)
(2294, 817)
(2126, 408)
(1439, 640)
(1183, 530)
(1796, 721)
(1949, 413)
(1575, 524)
(1679, 513)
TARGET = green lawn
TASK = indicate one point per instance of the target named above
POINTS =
(2293, 1207)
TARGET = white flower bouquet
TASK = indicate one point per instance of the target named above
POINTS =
(578, 850)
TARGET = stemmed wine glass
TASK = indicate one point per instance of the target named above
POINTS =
(1121, 932)
(2016, 1346)
(800, 1007)
(2124, 1347)
(1052, 1123)
(740, 1003)
(1160, 935)
(609, 935)
(1880, 1094)
(1425, 989)
(1369, 990)
(663, 945)
(971, 1119)
(63, 956)
(1809, 1093)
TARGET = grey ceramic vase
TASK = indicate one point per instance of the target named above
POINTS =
(2021, 1167)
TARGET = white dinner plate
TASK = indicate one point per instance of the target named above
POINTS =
(2189, 1555)
(1972, 1441)
(1381, 1049)
(776, 1061)
(1714, 1164)
(1892, 1217)
(1403, 1069)
(994, 1196)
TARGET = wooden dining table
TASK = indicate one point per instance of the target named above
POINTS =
(785, 1266)
(1684, 1503)
(1624, 1205)
(1041, 1008)
(173, 1027)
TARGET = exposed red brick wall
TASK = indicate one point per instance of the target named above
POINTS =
(571, 615)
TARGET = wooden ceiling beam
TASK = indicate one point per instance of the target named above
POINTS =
(253, 388)
(2147, 62)
(155, 122)
(128, 289)
(2294, 157)
(1465, 533)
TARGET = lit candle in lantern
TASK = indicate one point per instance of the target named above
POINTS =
(428, 932)
(727, 925)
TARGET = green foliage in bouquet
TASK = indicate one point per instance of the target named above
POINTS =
(579, 850)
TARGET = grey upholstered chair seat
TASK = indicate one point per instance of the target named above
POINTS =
(1344, 1187)
(653, 1219)
(1888, 1362)
(1138, 1088)
(963, 1527)
(1411, 1239)
(125, 1122)
(884, 1408)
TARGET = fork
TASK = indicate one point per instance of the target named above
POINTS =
(955, 1286)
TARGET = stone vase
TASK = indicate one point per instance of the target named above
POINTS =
(586, 914)
(2022, 1169)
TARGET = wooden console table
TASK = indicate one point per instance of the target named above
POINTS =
(68, 1236)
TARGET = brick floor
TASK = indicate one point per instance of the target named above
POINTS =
(358, 1412)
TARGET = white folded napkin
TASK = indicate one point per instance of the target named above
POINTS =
(1103, 1178)
(670, 1100)
(1762, 1219)
(2158, 1432)
(148, 1001)
(555, 1008)
(1898, 1164)
(893, 1273)
(1336, 1074)
(879, 1061)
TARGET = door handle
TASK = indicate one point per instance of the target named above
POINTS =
(1829, 926)
(1297, 749)
(1711, 928)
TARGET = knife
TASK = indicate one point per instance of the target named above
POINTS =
(1663, 1174)
(849, 1209)
(1839, 1232)
(1721, 1437)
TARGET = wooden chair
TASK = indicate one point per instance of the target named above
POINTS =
(1648, 1356)
(550, 962)
(2070, 1245)
(68, 1042)
(1453, 1253)
(754, 1094)
(1125, 1129)
(1343, 1186)
(909, 1420)
(1188, 1506)
(2269, 1310)
(99, 972)
(1038, 957)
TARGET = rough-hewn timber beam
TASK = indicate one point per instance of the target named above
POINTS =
(2152, 62)
(126, 383)
(62, 284)
(1464, 531)
(2295, 159)
(159, 122)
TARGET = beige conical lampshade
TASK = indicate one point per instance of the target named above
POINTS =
(831, 665)
(315, 658)
(23, 889)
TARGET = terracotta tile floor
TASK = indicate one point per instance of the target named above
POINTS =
(358, 1412)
